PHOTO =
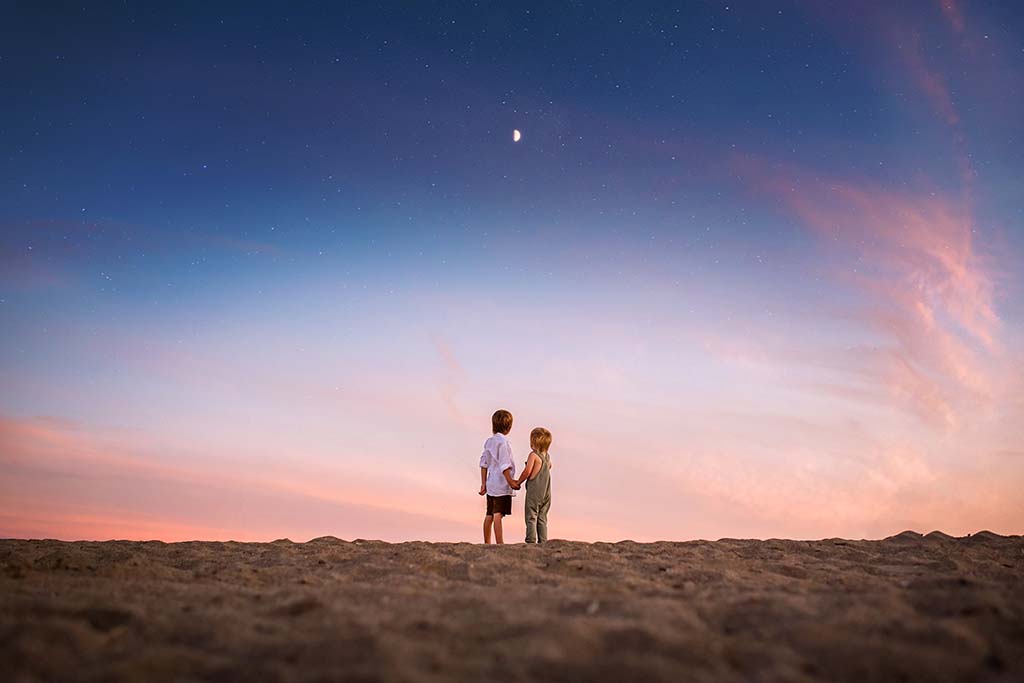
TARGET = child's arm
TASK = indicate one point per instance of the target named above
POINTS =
(508, 477)
(483, 480)
(531, 466)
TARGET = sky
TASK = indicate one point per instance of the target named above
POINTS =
(267, 270)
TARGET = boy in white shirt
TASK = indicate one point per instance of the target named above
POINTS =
(497, 475)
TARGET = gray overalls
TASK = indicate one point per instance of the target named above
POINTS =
(538, 500)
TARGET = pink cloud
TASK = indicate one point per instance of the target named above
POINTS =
(27, 270)
(27, 518)
(928, 80)
(452, 377)
(60, 480)
(953, 14)
(923, 244)
(927, 293)
(908, 67)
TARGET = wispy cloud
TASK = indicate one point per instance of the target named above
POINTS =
(60, 479)
(452, 377)
(953, 14)
(929, 81)
(925, 291)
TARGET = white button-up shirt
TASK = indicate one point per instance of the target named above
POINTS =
(497, 457)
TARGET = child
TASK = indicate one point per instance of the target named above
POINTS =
(537, 476)
(497, 475)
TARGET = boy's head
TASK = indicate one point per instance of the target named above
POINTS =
(501, 421)
(540, 440)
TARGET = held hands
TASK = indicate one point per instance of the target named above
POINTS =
(516, 484)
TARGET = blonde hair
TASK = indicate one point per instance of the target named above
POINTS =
(540, 440)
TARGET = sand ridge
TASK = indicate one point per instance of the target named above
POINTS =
(910, 607)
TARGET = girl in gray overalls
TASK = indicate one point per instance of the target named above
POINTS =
(537, 475)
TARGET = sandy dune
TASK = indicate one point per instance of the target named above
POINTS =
(929, 608)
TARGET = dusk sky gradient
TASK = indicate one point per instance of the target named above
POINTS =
(267, 271)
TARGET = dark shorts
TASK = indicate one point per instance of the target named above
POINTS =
(500, 504)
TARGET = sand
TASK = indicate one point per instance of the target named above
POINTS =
(911, 607)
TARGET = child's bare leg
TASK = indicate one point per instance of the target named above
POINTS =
(498, 538)
(487, 528)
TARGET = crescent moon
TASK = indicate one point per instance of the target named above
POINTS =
(516, 136)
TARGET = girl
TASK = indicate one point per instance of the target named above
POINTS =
(537, 476)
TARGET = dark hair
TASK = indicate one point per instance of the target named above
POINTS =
(501, 421)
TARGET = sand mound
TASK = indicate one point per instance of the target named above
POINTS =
(929, 608)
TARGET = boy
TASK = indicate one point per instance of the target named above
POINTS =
(497, 472)
(537, 475)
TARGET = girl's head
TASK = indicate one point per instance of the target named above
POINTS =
(540, 440)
